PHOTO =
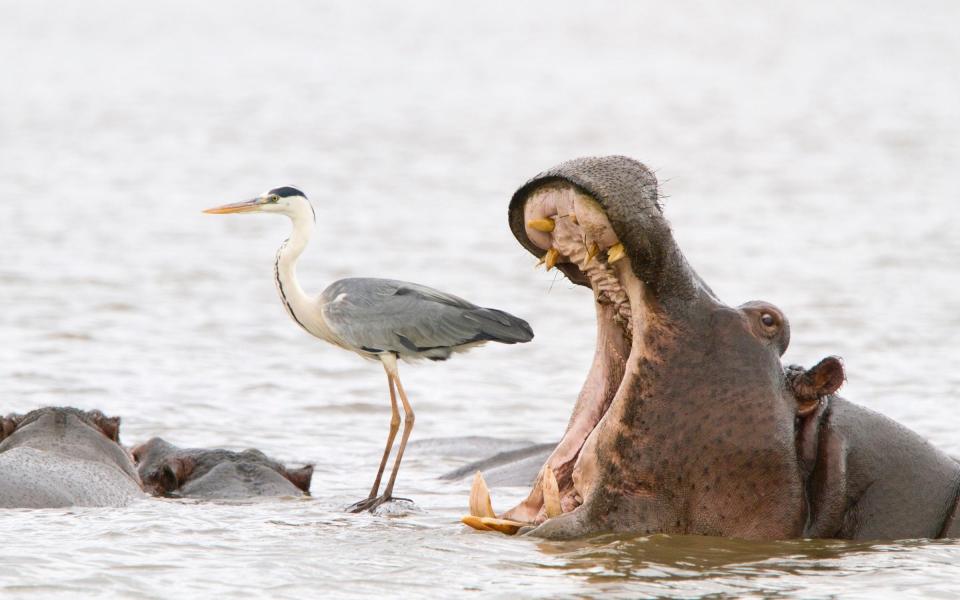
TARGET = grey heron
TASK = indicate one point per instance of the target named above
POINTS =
(379, 319)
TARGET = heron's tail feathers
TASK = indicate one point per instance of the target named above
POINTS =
(498, 326)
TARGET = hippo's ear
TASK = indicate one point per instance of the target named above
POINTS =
(809, 385)
(300, 477)
(110, 426)
(8, 425)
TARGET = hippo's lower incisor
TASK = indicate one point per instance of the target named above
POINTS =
(688, 422)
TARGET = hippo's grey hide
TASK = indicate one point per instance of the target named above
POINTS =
(872, 478)
(232, 481)
(518, 467)
(472, 447)
(31, 478)
(215, 473)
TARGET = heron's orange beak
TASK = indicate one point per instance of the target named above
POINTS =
(237, 207)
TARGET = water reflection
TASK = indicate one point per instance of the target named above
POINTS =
(727, 566)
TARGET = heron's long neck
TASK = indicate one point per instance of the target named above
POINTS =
(296, 301)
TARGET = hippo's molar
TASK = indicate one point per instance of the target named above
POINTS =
(615, 253)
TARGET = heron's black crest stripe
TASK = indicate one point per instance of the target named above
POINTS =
(287, 191)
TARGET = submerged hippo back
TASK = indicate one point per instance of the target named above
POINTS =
(31, 478)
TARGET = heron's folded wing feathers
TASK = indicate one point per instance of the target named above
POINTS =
(396, 316)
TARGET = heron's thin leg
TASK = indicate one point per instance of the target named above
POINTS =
(408, 420)
(394, 426)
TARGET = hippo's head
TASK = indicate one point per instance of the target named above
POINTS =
(687, 422)
(167, 470)
(83, 434)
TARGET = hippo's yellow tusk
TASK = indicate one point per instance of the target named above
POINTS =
(475, 522)
(544, 225)
(503, 525)
(551, 257)
(551, 493)
(615, 253)
(480, 505)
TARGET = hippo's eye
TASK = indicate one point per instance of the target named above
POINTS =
(768, 320)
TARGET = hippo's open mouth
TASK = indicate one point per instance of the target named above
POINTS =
(573, 233)
(686, 422)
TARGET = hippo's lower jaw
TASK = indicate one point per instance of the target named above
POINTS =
(574, 230)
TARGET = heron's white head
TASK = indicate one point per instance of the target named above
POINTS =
(283, 200)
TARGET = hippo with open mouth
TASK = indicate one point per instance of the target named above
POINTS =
(688, 422)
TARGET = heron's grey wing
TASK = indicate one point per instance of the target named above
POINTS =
(384, 315)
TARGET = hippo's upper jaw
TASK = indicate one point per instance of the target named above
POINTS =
(573, 231)
(683, 424)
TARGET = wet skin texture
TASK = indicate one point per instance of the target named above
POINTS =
(689, 423)
(167, 470)
(58, 457)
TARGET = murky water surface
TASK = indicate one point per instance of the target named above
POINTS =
(808, 154)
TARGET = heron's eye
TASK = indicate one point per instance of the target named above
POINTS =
(274, 198)
(768, 320)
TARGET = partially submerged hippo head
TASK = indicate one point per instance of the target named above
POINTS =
(686, 423)
(167, 470)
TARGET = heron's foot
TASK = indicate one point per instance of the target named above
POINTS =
(365, 504)
(372, 504)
